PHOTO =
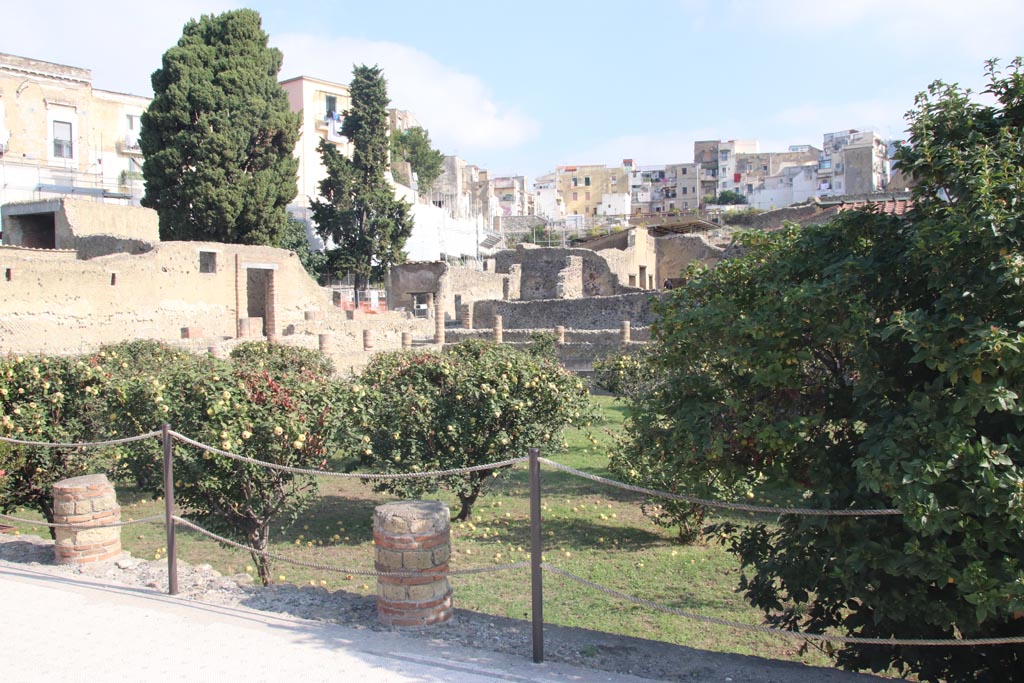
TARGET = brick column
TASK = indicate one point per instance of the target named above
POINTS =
(560, 334)
(625, 332)
(413, 537)
(217, 351)
(86, 500)
(326, 342)
(407, 340)
(499, 331)
(367, 340)
(438, 323)
(271, 308)
(467, 316)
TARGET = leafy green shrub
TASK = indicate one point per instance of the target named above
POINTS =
(543, 344)
(282, 359)
(628, 374)
(283, 414)
(472, 404)
(48, 399)
(873, 363)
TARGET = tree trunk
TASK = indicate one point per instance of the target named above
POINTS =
(467, 502)
(258, 540)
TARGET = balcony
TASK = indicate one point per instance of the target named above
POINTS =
(129, 145)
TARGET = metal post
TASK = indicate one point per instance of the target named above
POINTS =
(536, 573)
(172, 545)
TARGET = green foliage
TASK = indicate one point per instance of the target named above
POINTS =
(219, 137)
(413, 145)
(872, 363)
(282, 359)
(728, 197)
(50, 400)
(270, 404)
(359, 213)
(629, 374)
(293, 238)
(543, 344)
(472, 404)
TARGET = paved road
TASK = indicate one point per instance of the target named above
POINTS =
(60, 628)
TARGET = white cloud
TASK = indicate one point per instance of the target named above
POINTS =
(457, 108)
(121, 41)
(972, 30)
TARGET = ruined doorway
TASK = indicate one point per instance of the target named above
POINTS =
(643, 277)
(258, 292)
(34, 230)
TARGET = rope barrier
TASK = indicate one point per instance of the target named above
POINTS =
(339, 570)
(86, 444)
(347, 475)
(849, 640)
(83, 525)
(741, 507)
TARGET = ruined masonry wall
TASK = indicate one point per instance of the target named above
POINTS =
(594, 313)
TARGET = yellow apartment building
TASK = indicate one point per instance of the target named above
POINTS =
(59, 136)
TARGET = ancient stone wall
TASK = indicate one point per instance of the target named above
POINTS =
(540, 268)
(677, 252)
(592, 313)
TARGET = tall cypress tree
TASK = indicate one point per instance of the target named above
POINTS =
(358, 212)
(219, 136)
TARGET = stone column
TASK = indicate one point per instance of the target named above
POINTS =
(438, 323)
(499, 332)
(413, 537)
(467, 316)
(367, 340)
(407, 340)
(216, 351)
(326, 342)
(625, 332)
(88, 500)
(560, 335)
(271, 308)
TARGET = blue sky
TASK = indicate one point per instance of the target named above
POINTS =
(519, 88)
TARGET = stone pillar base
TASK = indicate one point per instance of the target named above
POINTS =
(413, 537)
(86, 500)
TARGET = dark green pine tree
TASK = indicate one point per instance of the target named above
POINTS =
(357, 211)
(219, 137)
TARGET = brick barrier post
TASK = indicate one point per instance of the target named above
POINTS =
(367, 340)
(560, 335)
(217, 351)
(625, 332)
(499, 331)
(86, 500)
(467, 316)
(407, 340)
(413, 537)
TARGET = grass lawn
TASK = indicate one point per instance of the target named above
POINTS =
(591, 530)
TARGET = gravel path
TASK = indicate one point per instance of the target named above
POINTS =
(581, 647)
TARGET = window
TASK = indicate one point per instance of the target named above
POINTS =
(685, 190)
(62, 145)
(332, 105)
(133, 122)
(575, 182)
(575, 196)
(207, 262)
(586, 195)
(586, 180)
(615, 180)
(683, 171)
